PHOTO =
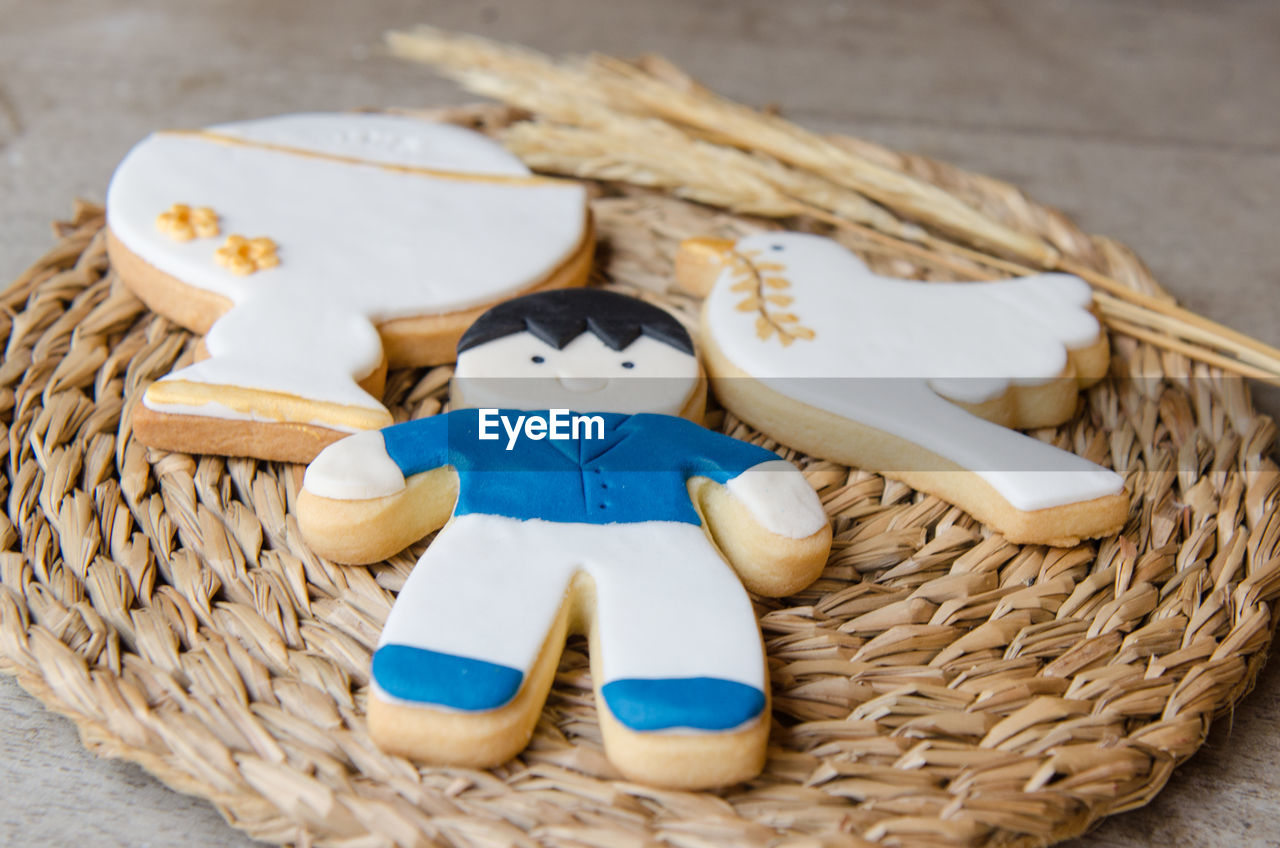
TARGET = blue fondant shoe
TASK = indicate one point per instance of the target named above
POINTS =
(698, 703)
(448, 680)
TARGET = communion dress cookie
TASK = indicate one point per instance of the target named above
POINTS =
(314, 251)
(919, 381)
(592, 514)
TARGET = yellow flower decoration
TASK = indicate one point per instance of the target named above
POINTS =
(243, 256)
(182, 223)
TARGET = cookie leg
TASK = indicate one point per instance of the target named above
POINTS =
(469, 650)
(677, 661)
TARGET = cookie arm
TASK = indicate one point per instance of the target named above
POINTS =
(761, 512)
(355, 468)
(374, 493)
(768, 563)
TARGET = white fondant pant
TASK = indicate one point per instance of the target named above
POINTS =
(668, 605)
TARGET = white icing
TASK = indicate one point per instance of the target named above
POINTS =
(779, 497)
(586, 375)
(358, 243)
(313, 365)
(354, 468)
(885, 353)
(668, 605)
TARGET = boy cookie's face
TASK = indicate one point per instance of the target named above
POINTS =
(521, 371)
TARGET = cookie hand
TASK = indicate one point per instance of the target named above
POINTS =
(769, 525)
(779, 497)
(354, 468)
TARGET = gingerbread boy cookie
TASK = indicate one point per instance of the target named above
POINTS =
(315, 251)
(588, 514)
(920, 381)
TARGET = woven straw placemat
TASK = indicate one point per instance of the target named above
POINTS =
(937, 686)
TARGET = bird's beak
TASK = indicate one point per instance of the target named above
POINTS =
(699, 262)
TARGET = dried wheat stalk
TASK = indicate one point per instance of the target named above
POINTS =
(649, 124)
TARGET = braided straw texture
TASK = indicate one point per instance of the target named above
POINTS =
(937, 686)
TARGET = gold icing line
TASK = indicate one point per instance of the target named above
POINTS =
(280, 407)
(457, 176)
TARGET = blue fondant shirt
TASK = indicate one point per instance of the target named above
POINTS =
(636, 470)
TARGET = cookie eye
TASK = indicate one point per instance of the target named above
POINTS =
(537, 359)
(775, 247)
(628, 364)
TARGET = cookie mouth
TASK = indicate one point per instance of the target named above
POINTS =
(582, 384)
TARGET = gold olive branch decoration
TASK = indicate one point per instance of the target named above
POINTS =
(763, 292)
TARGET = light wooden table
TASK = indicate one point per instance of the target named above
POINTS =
(1156, 123)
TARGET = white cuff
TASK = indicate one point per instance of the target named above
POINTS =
(355, 468)
(779, 497)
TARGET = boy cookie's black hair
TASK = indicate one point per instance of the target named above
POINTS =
(561, 315)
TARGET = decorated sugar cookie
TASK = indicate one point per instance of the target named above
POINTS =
(920, 381)
(590, 513)
(315, 251)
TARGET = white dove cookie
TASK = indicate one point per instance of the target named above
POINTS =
(600, 511)
(919, 381)
(313, 252)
